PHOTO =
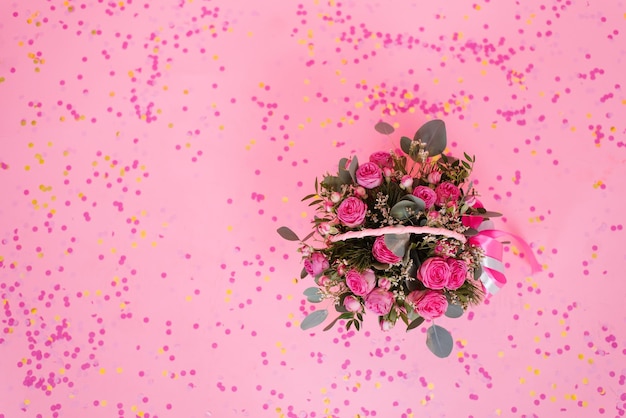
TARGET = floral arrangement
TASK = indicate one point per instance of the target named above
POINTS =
(403, 236)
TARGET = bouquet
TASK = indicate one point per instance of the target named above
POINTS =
(401, 236)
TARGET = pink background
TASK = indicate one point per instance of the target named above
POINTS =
(149, 151)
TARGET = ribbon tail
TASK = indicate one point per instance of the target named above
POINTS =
(528, 252)
(492, 276)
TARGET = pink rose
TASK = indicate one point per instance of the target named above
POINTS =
(352, 304)
(316, 264)
(369, 175)
(427, 194)
(383, 254)
(341, 269)
(458, 273)
(434, 273)
(384, 283)
(406, 182)
(385, 324)
(447, 192)
(360, 192)
(379, 301)
(360, 284)
(323, 228)
(323, 281)
(429, 304)
(382, 159)
(434, 177)
(351, 212)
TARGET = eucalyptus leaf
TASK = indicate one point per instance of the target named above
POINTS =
(404, 209)
(308, 236)
(415, 323)
(314, 319)
(470, 232)
(454, 311)
(433, 134)
(342, 164)
(412, 284)
(287, 234)
(419, 202)
(439, 341)
(489, 214)
(341, 308)
(332, 182)
(380, 266)
(405, 144)
(397, 243)
(303, 273)
(354, 164)
(345, 177)
(384, 128)
(313, 295)
(478, 271)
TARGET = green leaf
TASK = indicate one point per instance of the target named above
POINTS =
(384, 128)
(332, 182)
(488, 214)
(433, 134)
(397, 243)
(345, 177)
(303, 273)
(287, 234)
(439, 341)
(419, 202)
(314, 319)
(405, 209)
(308, 196)
(454, 311)
(342, 164)
(404, 318)
(470, 232)
(478, 271)
(348, 325)
(405, 144)
(308, 236)
(342, 316)
(415, 323)
(313, 295)
(357, 325)
(354, 164)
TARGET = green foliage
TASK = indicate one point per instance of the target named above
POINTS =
(314, 319)
(356, 252)
(439, 341)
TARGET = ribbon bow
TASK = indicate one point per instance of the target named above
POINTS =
(492, 275)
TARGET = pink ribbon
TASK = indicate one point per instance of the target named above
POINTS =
(493, 270)
(492, 276)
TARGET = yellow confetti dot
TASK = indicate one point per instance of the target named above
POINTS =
(119, 370)
(102, 371)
